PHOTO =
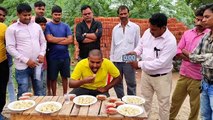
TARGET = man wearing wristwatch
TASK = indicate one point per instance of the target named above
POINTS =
(88, 32)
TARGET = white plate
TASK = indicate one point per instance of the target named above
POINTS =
(85, 100)
(21, 105)
(132, 99)
(130, 110)
(48, 107)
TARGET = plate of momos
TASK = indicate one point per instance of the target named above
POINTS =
(85, 100)
(48, 107)
(132, 99)
(129, 110)
(21, 105)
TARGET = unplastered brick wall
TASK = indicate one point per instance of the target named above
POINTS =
(176, 27)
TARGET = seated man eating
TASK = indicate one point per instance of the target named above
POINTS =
(90, 75)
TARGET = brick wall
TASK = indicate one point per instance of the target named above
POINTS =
(177, 28)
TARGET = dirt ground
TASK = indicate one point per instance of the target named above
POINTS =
(183, 113)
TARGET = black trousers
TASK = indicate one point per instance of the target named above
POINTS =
(4, 77)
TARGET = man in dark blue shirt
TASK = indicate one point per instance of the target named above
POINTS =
(88, 32)
(59, 36)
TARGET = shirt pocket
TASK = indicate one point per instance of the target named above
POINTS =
(130, 40)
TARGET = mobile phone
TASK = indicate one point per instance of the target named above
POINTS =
(129, 58)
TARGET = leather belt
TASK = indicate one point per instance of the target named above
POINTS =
(157, 75)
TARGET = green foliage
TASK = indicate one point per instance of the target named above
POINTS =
(145, 8)
(108, 8)
(184, 13)
(194, 4)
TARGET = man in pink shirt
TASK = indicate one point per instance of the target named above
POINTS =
(190, 73)
(25, 41)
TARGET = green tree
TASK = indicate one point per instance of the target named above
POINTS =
(194, 4)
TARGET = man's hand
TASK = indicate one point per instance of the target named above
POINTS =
(185, 52)
(102, 89)
(89, 79)
(41, 59)
(132, 53)
(32, 63)
(134, 64)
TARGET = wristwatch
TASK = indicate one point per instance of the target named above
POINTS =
(84, 35)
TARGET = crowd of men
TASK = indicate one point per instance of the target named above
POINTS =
(39, 48)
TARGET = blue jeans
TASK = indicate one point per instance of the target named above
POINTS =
(10, 86)
(129, 74)
(22, 78)
(44, 81)
(206, 101)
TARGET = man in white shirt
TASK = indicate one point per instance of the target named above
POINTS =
(158, 47)
(125, 37)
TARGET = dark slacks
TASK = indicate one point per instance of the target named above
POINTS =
(4, 77)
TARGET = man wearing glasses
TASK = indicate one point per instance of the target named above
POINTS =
(88, 32)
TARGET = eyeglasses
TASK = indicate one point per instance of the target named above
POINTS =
(85, 14)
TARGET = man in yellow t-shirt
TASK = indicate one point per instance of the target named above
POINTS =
(4, 68)
(90, 75)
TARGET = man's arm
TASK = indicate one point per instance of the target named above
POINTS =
(182, 56)
(110, 85)
(89, 37)
(181, 52)
(97, 34)
(139, 49)
(196, 56)
(67, 41)
(52, 39)
(79, 33)
(88, 40)
(11, 48)
(43, 46)
(137, 36)
(77, 83)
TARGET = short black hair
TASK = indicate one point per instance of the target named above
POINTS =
(84, 7)
(200, 11)
(39, 4)
(56, 9)
(158, 19)
(40, 19)
(23, 7)
(209, 7)
(4, 10)
(122, 7)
